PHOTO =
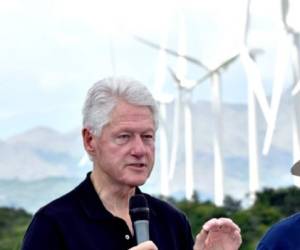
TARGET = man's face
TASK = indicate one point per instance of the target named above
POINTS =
(124, 152)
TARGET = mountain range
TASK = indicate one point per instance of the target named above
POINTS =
(42, 163)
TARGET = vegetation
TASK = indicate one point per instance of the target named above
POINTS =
(271, 205)
(13, 223)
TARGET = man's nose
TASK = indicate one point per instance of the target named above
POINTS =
(138, 146)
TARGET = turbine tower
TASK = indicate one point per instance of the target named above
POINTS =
(184, 84)
(215, 76)
(294, 34)
(163, 100)
(183, 113)
(256, 95)
(281, 68)
(183, 110)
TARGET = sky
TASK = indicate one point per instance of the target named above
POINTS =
(53, 51)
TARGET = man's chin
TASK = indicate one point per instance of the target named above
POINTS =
(136, 179)
(137, 182)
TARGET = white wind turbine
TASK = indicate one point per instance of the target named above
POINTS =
(183, 114)
(178, 113)
(290, 19)
(215, 76)
(284, 46)
(187, 86)
(163, 99)
(281, 68)
(183, 110)
(255, 94)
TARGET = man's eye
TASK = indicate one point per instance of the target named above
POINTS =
(148, 137)
(122, 138)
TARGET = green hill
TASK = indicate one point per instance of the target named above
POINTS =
(13, 223)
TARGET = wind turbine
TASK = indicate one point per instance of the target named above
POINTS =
(281, 67)
(255, 93)
(182, 108)
(295, 47)
(163, 100)
(214, 75)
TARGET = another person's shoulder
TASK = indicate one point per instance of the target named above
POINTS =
(286, 225)
(282, 235)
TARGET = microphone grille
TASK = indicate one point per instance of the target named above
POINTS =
(138, 208)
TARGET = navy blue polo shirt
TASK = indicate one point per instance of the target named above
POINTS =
(78, 220)
(284, 235)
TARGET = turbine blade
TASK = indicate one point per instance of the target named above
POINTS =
(227, 62)
(171, 52)
(223, 65)
(174, 76)
(279, 79)
(255, 81)
(284, 12)
(296, 89)
(247, 22)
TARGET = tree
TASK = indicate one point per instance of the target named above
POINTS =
(13, 224)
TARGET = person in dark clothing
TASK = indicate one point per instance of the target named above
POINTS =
(283, 235)
(119, 124)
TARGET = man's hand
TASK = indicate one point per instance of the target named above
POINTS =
(146, 245)
(219, 234)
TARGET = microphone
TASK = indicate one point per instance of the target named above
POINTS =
(139, 213)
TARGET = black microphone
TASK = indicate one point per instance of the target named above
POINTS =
(139, 213)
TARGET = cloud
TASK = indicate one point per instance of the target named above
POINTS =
(7, 7)
(53, 81)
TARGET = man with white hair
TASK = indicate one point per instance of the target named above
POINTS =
(119, 123)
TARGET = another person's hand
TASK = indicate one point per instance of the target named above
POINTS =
(147, 245)
(219, 234)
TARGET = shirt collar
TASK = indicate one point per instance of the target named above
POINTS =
(90, 201)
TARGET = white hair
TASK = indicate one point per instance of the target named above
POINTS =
(104, 95)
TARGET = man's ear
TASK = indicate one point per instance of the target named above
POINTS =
(88, 141)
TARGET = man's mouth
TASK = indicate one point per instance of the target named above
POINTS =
(138, 165)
